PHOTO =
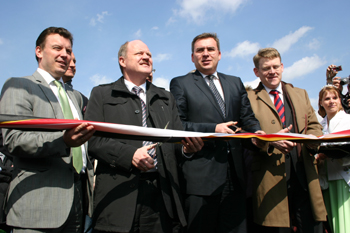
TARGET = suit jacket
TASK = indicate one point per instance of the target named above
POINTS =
(205, 173)
(270, 199)
(41, 193)
(117, 179)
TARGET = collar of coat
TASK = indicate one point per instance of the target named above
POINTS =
(151, 90)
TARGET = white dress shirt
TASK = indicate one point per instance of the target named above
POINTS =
(216, 82)
(50, 81)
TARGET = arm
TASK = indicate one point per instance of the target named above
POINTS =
(177, 88)
(107, 150)
(21, 97)
(17, 98)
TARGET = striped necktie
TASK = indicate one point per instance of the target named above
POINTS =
(216, 94)
(279, 106)
(152, 152)
(67, 113)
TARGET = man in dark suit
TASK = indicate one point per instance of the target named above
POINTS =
(51, 169)
(137, 188)
(286, 189)
(214, 177)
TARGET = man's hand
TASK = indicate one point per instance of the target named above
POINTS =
(320, 156)
(142, 160)
(330, 73)
(284, 146)
(257, 142)
(336, 83)
(348, 102)
(224, 127)
(192, 145)
(79, 135)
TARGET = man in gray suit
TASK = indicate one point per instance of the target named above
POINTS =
(51, 168)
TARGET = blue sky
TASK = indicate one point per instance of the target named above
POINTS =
(310, 35)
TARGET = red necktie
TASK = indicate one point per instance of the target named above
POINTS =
(279, 106)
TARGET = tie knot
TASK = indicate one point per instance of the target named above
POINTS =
(137, 90)
(57, 83)
(210, 77)
(274, 92)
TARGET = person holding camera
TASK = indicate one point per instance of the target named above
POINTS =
(338, 82)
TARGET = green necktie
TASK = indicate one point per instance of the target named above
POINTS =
(67, 112)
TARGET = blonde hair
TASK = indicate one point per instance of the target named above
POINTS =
(327, 89)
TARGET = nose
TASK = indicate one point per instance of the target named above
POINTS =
(272, 70)
(205, 52)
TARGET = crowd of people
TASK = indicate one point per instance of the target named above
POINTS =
(237, 185)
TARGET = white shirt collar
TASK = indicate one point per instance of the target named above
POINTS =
(130, 85)
(48, 77)
(279, 89)
(215, 74)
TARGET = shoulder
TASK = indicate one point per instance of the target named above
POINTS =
(291, 88)
(19, 83)
(184, 78)
(230, 77)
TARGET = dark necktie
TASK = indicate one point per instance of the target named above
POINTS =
(152, 152)
(217, 95)
(279, 106)
(67, 113)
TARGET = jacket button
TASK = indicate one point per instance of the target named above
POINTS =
(287, 156)
(132, 185)
(137, 111)
(273, 122)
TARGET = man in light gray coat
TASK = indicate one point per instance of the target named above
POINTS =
(46, 194)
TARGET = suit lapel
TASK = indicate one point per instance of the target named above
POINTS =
(265, 97)
(72, 97)
(44, 86)
(203, 86)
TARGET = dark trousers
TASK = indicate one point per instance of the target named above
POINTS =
(224, 212)
(74, 223)
(151, 214)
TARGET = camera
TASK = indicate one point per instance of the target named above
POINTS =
(344, 81)
(337, 68)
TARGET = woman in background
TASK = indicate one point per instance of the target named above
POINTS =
(337, 175)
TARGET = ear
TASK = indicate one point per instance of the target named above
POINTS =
(39, 52)
(282, 67)
(192, 57)
(256, 72)
(122, 62)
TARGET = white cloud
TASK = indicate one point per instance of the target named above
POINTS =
(302, 67)
(314, 44)
(138, 33)
(92, 22)
(284, 44)
(253, 84)
(155, 28)
(197, 10)
(98, 79)
(244, 49)
(161, 82)
(162, 57)
(99, 18)
(1, 42)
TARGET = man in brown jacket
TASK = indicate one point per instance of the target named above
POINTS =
(286, 189)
